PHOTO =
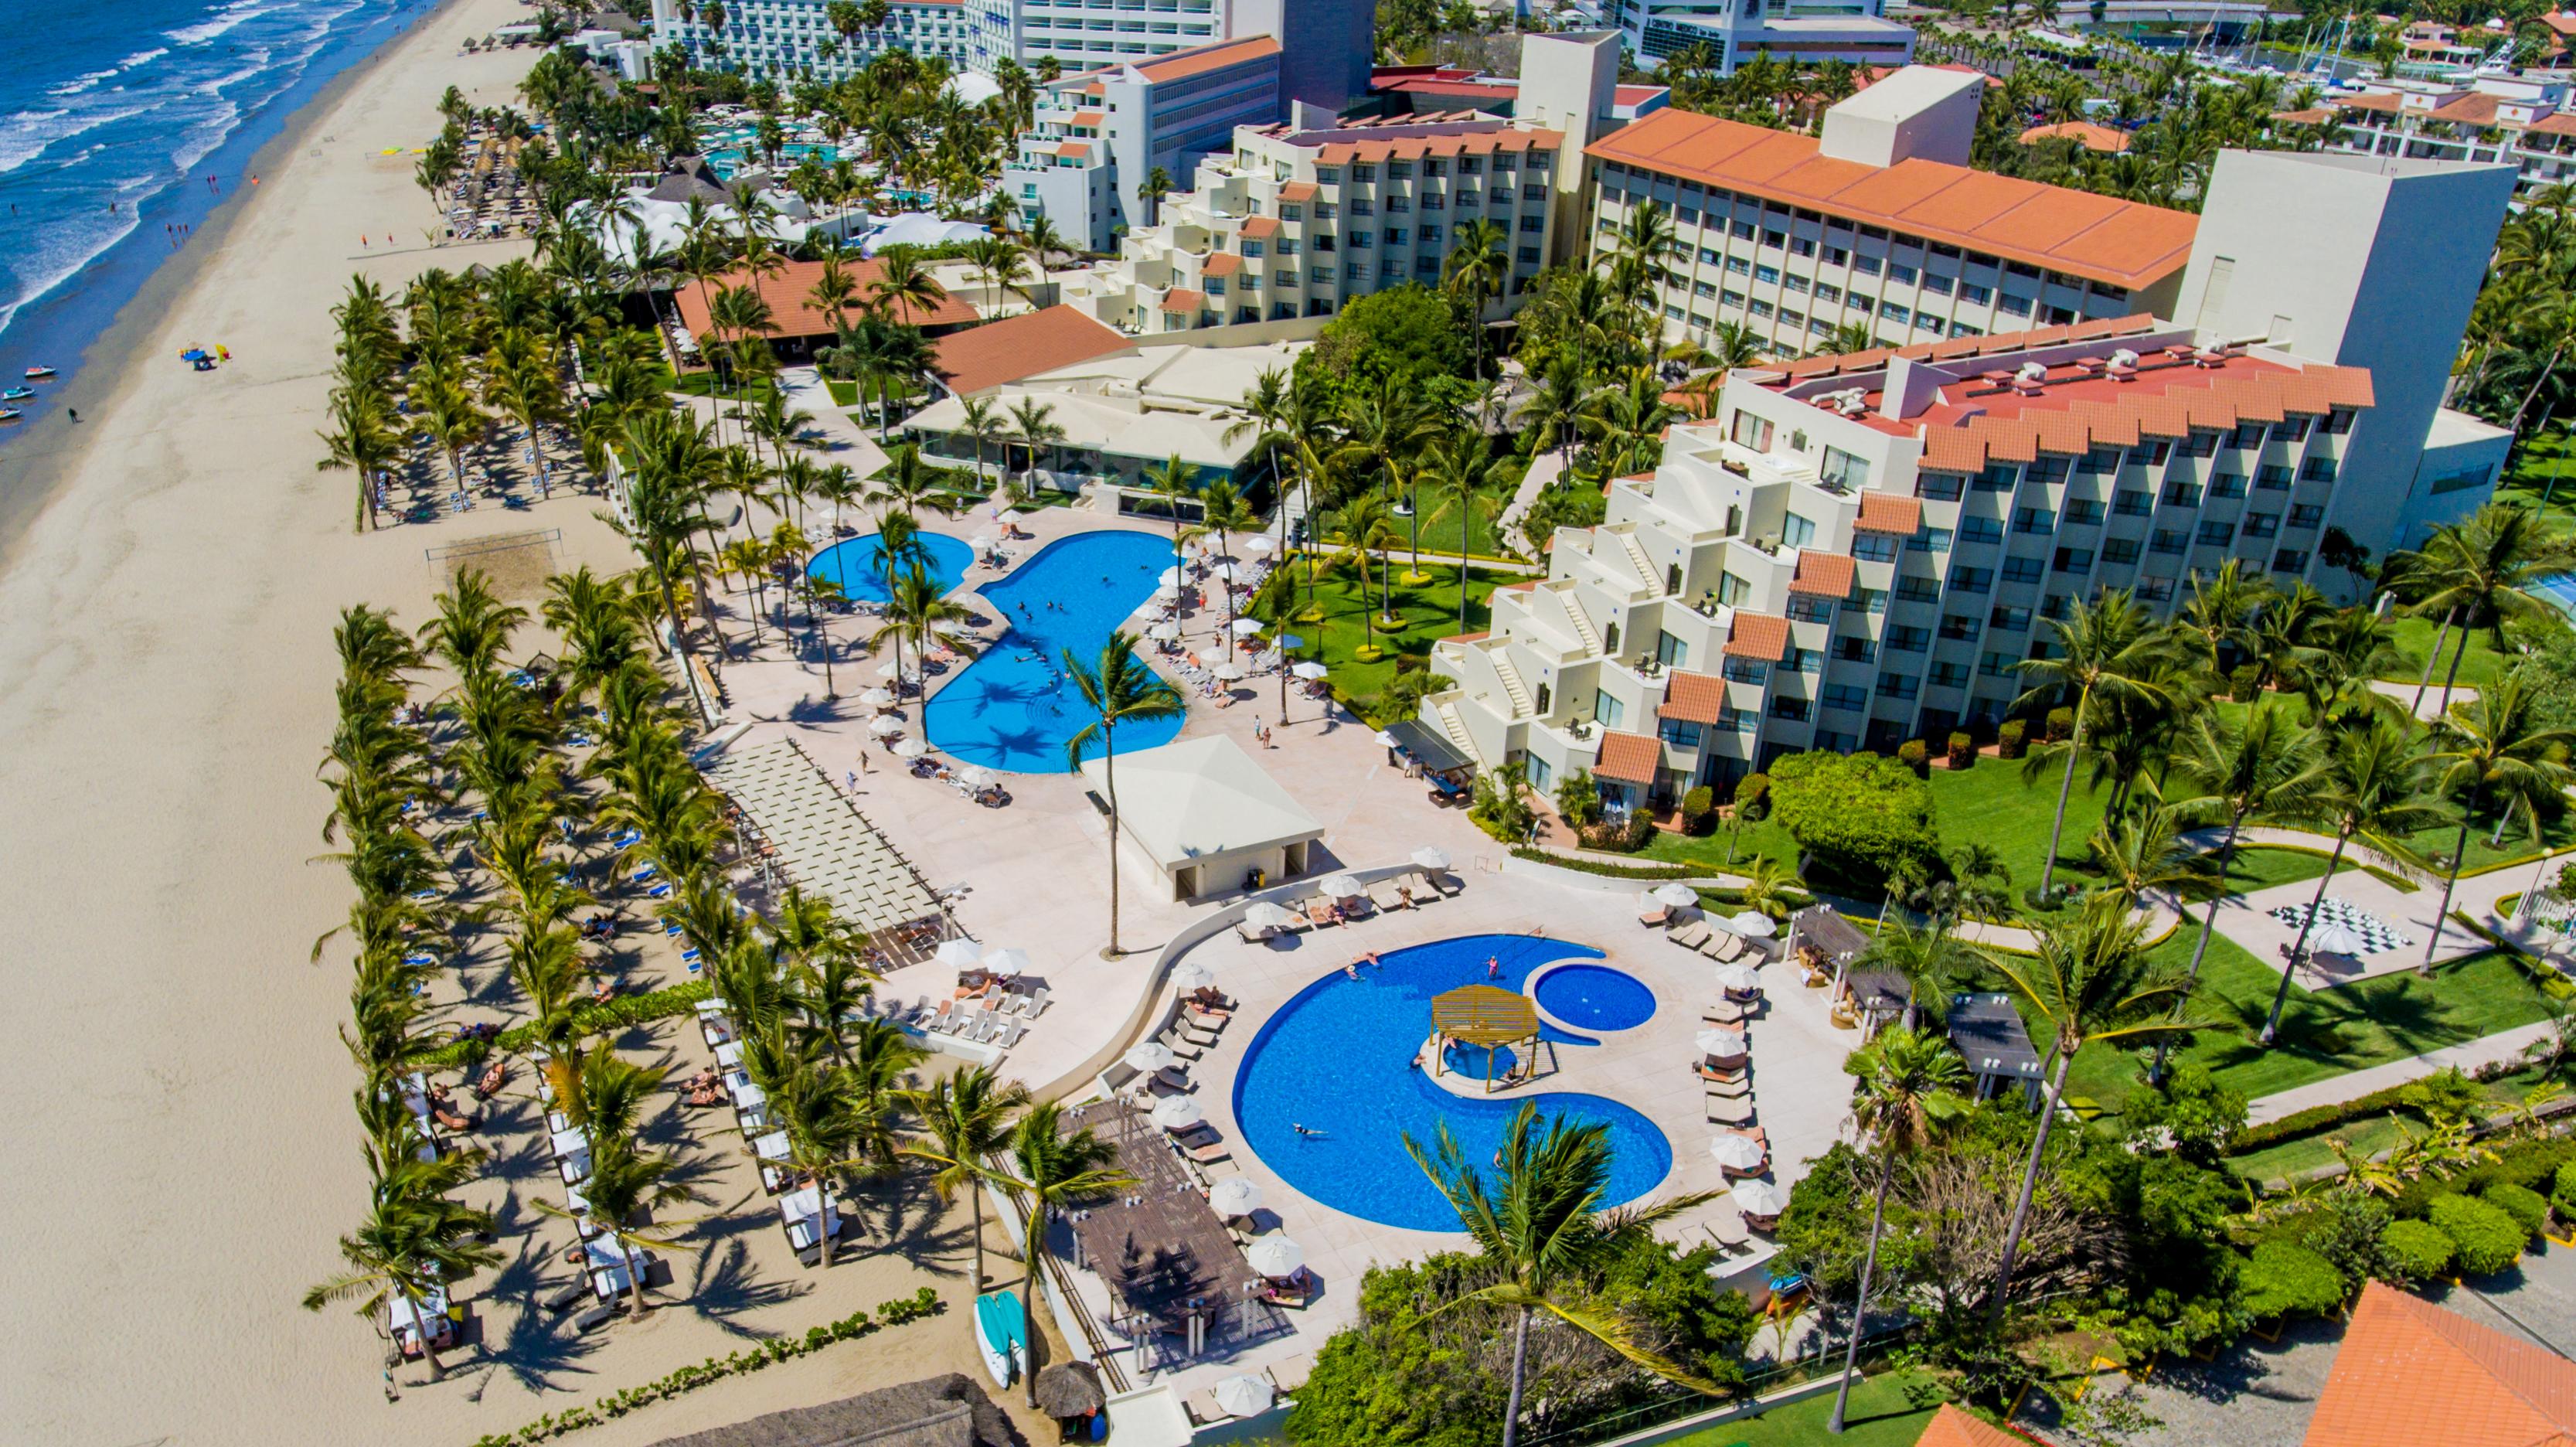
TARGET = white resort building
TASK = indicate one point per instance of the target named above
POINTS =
(1793, 32)
(791, 40)
(1857, 550)
(1319, 37)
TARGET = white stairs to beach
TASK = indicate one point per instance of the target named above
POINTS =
(1513, 688)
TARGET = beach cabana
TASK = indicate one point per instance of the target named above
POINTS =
(949, 1411)
(1208, 816)
(1988, 1033)
(1488, 1018)
(1822, 941)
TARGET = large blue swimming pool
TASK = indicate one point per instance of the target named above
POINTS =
(1337, 1060)
(856, 564)
(1013, 708)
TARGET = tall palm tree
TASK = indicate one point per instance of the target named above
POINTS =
(1454, 479)
(1906, 1087)
(364, 442)
(965, 1121)
(920, 614)
(1118, 689)
(1363, 530)
(2494, 752)
(980, 419)
(1476, 272)
(2483, 570)
(2376, 787)
(2089, 981)
(2143, 852)
(1033, 423)
(627, 1180)
(1054, 1170)
(1156, 185)
(1539, 1224)
(2105, 647)
(412, 1246)
(1174, 482)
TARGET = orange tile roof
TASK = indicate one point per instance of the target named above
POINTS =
(1758, 635)
(2107, 139)
(1629, 758)
(1886, 512)
(2406, 1365)
(983, 357)
(1074, 150)
(1223, 263)
(1182, 299)
(794, 316)
(1693, 697)
(1958, 347)
(2168, 403)
(1260, 228)
(1089, 118)
(1951, 1427)
(1200, 59)
(1299, 191)
(2123, 243)
(1822, 575)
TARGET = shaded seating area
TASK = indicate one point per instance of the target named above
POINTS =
(949, 1411)
(1872, 997)
(1824, 944)
(1481, 1025)
(1988, 1033)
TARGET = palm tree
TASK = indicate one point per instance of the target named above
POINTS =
(1118, 689)
(1364, 528)
(981, 421)
(2482, 571)
(1453, 478)
(1055, 1170)
(1151, 190)
(2375, 788)
(1907, 1087)
(1174, 482)
(1539, 1225)
(918, 613)
(412, 1245)
(625, 1181)
(2105, 648)
(1478, 269)
(2494, 752)
(965, 1120)
(1033, 423)
(2144, 853)
(363, 441)
(2090, 981)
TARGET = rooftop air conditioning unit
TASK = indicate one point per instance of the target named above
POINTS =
(2031, 372)
(2124, 358)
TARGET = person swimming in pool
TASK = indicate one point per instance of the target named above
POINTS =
(1305, 1130)
(1493, 967)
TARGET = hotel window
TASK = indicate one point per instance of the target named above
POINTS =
(1959, 626)
(1807, 608)
(1533, 223)
(2183, 494)
(1398, 205)
(1795, 710)
(2227, 484)
(2289, 560)
(1949, 675)
(1732, 297)
(1744, 670)
(1896, 685)
(2011, 305)
(1796, 531)
(1836, 256)
(1325, 211)
(2010, 618)
(1901, 274)
(2074, 560)
(1850, 698)
(1741, 231)
(1939, 486)
(1866, 265)
(2120, 550)
(1395, 236)
(1767, 273)
(1739, 266)
(1895, 314)
(1997, 665)
(2083, 511)
(1291, 211)
(2149, 453)
(1606, 710)
(2272, 476)
(2034, 520)
(2317, 469)
(2130, 502)
(1930, 540)
(1825, 292)
(1935, 282)
(1775, 238)
(1794, 282)
(1731, 590)
(1806, 660)
(1971, 580)
(1874, 547)
(1751, 431)
(2168, 540)
(1361, 172)
(2307, 515)
(1981, 530)
(1708, 256)
(1918, 588)
(2247, 434)
(2216, 533)
(2021, 570)
(1793, 319)
(2156, 590)
(1681, 733)
(2338, 422)
(1704, 288)
(1869, 600)
(1848, 649)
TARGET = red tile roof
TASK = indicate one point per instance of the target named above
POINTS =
(1629, 758)
(1223, 263)
(1074, 150)
(1822, 575)
(983, 357)
(1299, 191)
(1758, 635)
(2123, 243)
(1182, 299)
(2107, 139)
(2168, 403)
(1200, 59)
(2409, 1372)
(1260, 228)
(1693, 697)
(1951, 1427)
(793, 316)
(1885, 512)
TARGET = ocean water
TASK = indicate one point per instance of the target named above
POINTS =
(116, 112)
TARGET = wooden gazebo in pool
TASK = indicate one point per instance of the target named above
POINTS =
(1488, 1017)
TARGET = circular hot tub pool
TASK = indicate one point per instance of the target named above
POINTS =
(1595, 997)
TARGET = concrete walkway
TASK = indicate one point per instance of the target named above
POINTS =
(1543, 469)
(2354, 1084)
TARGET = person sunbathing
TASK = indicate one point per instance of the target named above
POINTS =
(450, 1120)
(1404, 896)
(491, 1080)
(603, 990)
(707, 1095)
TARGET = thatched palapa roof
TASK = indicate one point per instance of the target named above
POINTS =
(949, 1411)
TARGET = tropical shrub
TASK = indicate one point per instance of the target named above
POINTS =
(2244, 682)
(1578, 799)
(2487, 1240)
(1963, 750)
(1859, 814)
(1699, 810)
(1753, 798)
(2287, 1279)
(1915, 755)
(2415, 1251)
(2013, 739)
(2562, 1191)
(2528, 1208)
(2061, 724)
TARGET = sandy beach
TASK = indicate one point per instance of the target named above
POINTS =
(183, 1155)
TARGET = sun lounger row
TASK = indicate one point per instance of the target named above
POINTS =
(1721, 945)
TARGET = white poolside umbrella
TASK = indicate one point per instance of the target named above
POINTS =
(1246, 627)
(911, 671)
(1171, 578)
(1310, 670)
(1149, 1057)
(1275, 1256)
(1164, 632)
(1192, 976)
(1340, 886)
(885, 725)
(1006, 961)
(1752, 926)
(1732, 976)
(1676, 895)
(1235, 1196)
(1431, 857)
(1265, 915)
(1167, 591)
(1229, 672)
(1735, 1152)
(974, 776)
(1177, 1112)
(2335, 939)
(1759, 1198)
(912, 748)
(878, 698)
(959, 954)
(1222, 572)
(1243, 1395)
(984, 540)
(1256, 544)
(1720, 1043)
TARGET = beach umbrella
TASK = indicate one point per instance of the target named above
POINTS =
(1235, 1196)
(1164, 632)
(1431, 857)
(1265, 915)
(1192, 976)
(1340, 886)
(1735, 1152)
(1386, 739)
(1724, 1044)
(1149, 1057)
(1310, 670)
(911, 672)
(1246, 627)
(1171, 578)
(912, 748)
(1177, 1112)
(975, 776)
(1752, 926)
(2335, 939)
(1167, 591)
(1229, 672)
(1759, 1198)
(1676, 895)
(984, 540)
(1737, 977)
(1069, 1389)
(1005, 961)
(1222, 572)
(1275, 1256)
(959, 954)
(1243, 1395)
(878, 698)
(885, 725)
(1256, 544)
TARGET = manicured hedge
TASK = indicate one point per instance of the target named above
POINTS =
(2528, 1208)
(2488, 1240)
(2416, 1251)
(2286, 1279)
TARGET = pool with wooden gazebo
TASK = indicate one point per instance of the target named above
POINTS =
(1490, 1017)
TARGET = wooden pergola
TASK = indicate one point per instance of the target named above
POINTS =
(1486, 1016)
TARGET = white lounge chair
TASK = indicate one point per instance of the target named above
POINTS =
(1007, 1033)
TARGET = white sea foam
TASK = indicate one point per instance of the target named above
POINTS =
(82, 83)
(222, 22)
(142, 58)
(68, 249)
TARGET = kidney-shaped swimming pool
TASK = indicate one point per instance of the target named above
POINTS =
(1337, 1059)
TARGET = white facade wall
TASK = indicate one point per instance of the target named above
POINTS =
(786, 40)
(1134, 125)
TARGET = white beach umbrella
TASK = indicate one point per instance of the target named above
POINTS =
(1006, 961)
(1275, 1256)
(1177, 1112)
(974, 776)
(1265, 915)
(1164, 632)
(1676, 895)
(1223, 572)
(1243, 1395)
(1310, 670)
(1192, 976)
(1431, 857)
(912, 748)
(959, 954)
(1149, 1057)
(1246, 627)
(2335, 939)
(1759, 1198)
(878, 698)
(885, 725)
(1167, 591)
(1732, 976)
(910, 670)
(1235, 1196)
(1752, 926)
(1340, 886)
(1256, 544)
(1229, 672)
(985, 540)
(1171, 578)
(1735, 1152)
(1720, 1043)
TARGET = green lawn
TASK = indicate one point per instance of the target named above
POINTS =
(1710, 852)
(2368, 1137)
(1440, 535)
(1990, 804)
(1881, 1414)
(2545, 468)
(1427, 613)
(2414, 637)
